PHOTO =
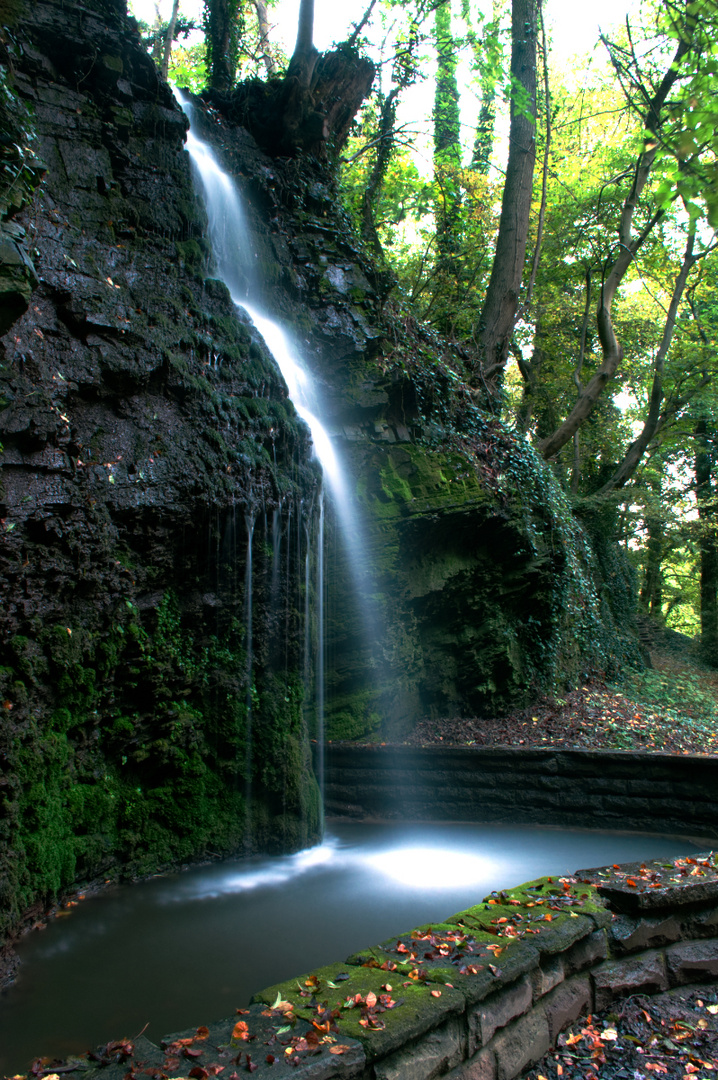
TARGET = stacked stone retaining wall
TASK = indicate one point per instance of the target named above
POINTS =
(482, 996)
(593, 789)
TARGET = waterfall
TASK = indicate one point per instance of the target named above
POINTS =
(320, 648)
(232, 247)
(249, 646)
(307, 674)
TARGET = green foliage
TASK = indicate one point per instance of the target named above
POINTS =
(142, 762)
(20, 170)
(188, 68)
(683, 697)
(686, 138)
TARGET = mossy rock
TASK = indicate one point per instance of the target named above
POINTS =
(423, 1006)
(472, 968)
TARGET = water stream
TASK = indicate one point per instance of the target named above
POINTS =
(235, 259)
(185, 949)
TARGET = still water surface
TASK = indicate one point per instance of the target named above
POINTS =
(184, 949)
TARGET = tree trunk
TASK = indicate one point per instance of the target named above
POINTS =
(305, 56)
(221, 38)
(313, 106)
(385, 146)
(263, 23)
(486, 52)
(628, 248)
(498, 314)
(447, 147)
(169, 38)
(651, 594)
(705, 437)
(638, 447)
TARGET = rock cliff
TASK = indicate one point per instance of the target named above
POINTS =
(158, 496)
(145, 434)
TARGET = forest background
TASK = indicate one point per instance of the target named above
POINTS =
(606, 361)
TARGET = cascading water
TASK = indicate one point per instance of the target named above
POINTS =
(320, 649)
(249, 645)
(233, 252)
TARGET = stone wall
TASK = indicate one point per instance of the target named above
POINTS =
(481, 996)
(592, 789)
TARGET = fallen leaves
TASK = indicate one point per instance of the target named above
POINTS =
(596, 716)
(669, 1037)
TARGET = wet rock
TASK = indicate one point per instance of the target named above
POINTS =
(141, 429)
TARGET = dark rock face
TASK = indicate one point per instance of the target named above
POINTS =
(145, 435)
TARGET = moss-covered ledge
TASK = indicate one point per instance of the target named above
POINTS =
(480, 996)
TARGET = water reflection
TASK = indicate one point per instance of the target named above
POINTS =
(189, 948)
(430, 867)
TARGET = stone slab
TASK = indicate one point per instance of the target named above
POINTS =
(484, 971)
(547, 976)
(482, 1066)
(567, 1003)
(522, 1043)
(630, 933)
(700, 924)
(439, 1050)
(275, 1042)
(424, 1005)
(692, 961)
(645, 974)
(497, 1011)
(586, 952)
(660, 884)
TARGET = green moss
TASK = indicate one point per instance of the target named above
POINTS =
(354, 716)
(193, 254)
(103, 785)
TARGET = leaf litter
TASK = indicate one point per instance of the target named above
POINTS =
(672, 1036)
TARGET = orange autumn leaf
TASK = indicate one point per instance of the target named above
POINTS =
(340, 1048)
(371, 999)
(631, 882)
(202, 1033)
(436, 993)
(241, 1031)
